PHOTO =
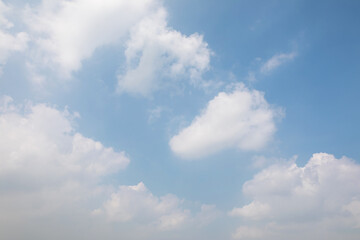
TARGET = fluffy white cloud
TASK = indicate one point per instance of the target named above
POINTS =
(137, 204)
(155, 52)
(132, 203)
(242, 119)
(44, 163)
(50, 171)
(9, 42)
(43, 137)
(276, 61)
(323, 193)
(66, 32)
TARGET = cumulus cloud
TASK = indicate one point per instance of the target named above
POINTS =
(66, 32)
(9, 41)
(324, 194)
(155, 51)
(44, 161)
(44, 136)
(48, 169)
(132, 203)
(137, 204)
(276, 61)
(240, 119)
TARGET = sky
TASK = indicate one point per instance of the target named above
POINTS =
(168, 119)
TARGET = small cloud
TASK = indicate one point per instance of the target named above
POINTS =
(155, 114)
(276, 61)
(251, 77)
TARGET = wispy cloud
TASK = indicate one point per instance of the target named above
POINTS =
(276, 61)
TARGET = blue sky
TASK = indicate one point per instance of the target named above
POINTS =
(179, 119)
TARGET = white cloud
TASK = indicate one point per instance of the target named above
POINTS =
(354, 209)
(254, 210)
(322, 194)
(44, 136)
(45, 164)
(9, 42)
(155, 52)
(48, 169)
(137, 203)
(67, 32)
(276, 61)
(240, 119)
